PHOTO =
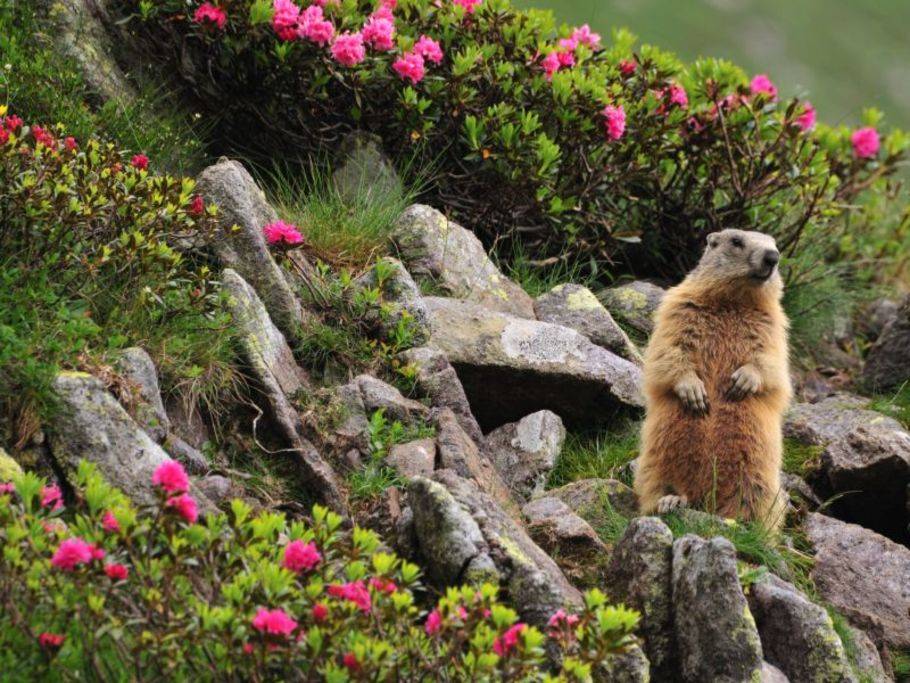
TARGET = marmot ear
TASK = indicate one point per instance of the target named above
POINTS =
(713, 239)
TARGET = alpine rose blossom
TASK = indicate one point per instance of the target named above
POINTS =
(7, 487)
(627, 67)
(314, 27)
(355, 592)
(434, 623)
(116, 571)
(560, 617)
(410, 67)
(4, 136)
(550, 64)
(507, 642)
(320, 612)
(678, 96)
(12, 123)
(196, 206)
(378, 33)
(806, 120)
(139, 162)
(865, 143)
(762, 85)
(284, 19)
(70, 144)
(50, 641)
(52, 497)
(614, 121)
(109, 523)
(300, 557)
(280, 232)
(71, 553)
(171, 477)
(207, 13)
(383, 585)
(350, 661)
(469, 5)
(429, 49)
(274, 622)
(583, 35)
(42, 137)
(348, 50)
(185, 505)
(566, 59)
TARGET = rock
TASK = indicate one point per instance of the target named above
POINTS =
(864, 576)
(187, 422)
(716, 633)
(799, 491)
(568, 539)
(401, 298)
(596, 499)
(511, 367)
(640, 575)
(832, 418)
(377, 395)
(888, 361)
(628, 667)
(797, 635)
(771, 674)
(9, 468)
(177, 448)
(524, 452)
(576, 306)
(877, 316)
(437, 380)
(633, 304)
(414, 458)
(362, 170)
(137, 367)
(533, 581)
(240, 243)
(216, 487)
(454, 261)
(91, 425)
(866, 660)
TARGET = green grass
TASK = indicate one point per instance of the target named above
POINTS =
(900, 662)
(896, 405)
(800, 459)
(600, 454)
(538, 278)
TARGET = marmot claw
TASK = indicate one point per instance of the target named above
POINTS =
(691, 391)
(669, 503)
(746, 380)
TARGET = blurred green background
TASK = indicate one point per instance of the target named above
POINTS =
(843, 54)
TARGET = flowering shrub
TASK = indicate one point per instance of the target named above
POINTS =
(103, 591)
(588, 147)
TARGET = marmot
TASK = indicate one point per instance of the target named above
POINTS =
(716, 384)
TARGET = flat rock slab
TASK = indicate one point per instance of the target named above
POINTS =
(511, 367)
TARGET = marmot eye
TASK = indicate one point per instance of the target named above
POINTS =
(737, 242)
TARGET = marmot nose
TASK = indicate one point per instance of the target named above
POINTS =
(771, 258)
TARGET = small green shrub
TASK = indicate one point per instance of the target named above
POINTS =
(102, 590)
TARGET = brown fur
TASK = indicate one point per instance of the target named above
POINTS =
(720, 318)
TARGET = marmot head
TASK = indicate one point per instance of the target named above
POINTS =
(742, 256)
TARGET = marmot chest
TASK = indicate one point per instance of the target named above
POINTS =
(723, 339)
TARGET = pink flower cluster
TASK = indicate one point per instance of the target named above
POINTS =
(50, 641)
(281, 233)
(353, 591)
(806, 120)
(762, 85)
(582, 35)
(52, 497)
(508, 641)
(409, 66)
(470, 6)
(208, 14)
(140, 162)
(301, 557)
(348, 49)
(614, 121)
(866, 143)
(171, 478)
(313, 26)
(379, 32)
(74, 552)
(274, 622)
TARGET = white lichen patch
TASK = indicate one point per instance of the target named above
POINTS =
(535, 343)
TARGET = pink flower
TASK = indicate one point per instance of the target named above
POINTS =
(566, 59)
(507, 642)
(429, 49)
(410, 67)
(614, 121)
(378, 33)
(7, 487)
(207, 13)
(320, 612)
(762, 85)
(50, 641)
(171, 477)
(584, 36)
(185, 505)
(42, 137)
(109, 523)
(12, 123)
(383, 585)
(71, 144)
(560, 617)
(806, 120)
(196, 206)
(315, 27)
(627, 67)
(348, 49)
(280, 232)
(434, 623)
(300, 557)
(350, 661)
(865, 143)
(97, 553)
(284, 19)
(384, 11)
(71, 553)
(568, 44)
(274, 622)
(52, 497)
(550, 64)
(117, 572)
(4, 136)
(355, 592)
(678, 96)
(469, 5)
(139, 162)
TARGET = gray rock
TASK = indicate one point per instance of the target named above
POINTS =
(240, 243)
(187, 422)
(797, 635)
(877, 316)
(576, 306)
(511, 367)
(91, 425)
(832, 418)
(628, 667)
(865, 657)
(414, 458)
(799, 491)
(524, 452)
(378, 395)
(716, 633)
(596, 499)
(888, 361)
(180, 450)
(138, 369)
(401, 298)
(568, 539)
(362, 170)
(633, 304)
(771, 674)
(453, 259)
(864, 576)
(640, 576)
(437, 380)
(216, 487)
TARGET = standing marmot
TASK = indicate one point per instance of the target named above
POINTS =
(716, 382)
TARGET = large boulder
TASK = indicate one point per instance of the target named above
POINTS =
(511, 367)
(797, 635)
(240, 243)
(455, 262)
(629, 667)
(597, 499)
(91, 425)
(640, 575)
(633, 304)
(524, 452)
(575, 306)
(888, 361)
(716, 633)
(832, 418)
(137, 367)
(363, 171)
(864, 576)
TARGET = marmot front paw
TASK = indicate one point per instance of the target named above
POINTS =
(669, 503)
(691, 391)
(746, 380)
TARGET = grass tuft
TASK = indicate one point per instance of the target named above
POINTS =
(800, 459)
(897, 405)
(601, 454)
(538, 278)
